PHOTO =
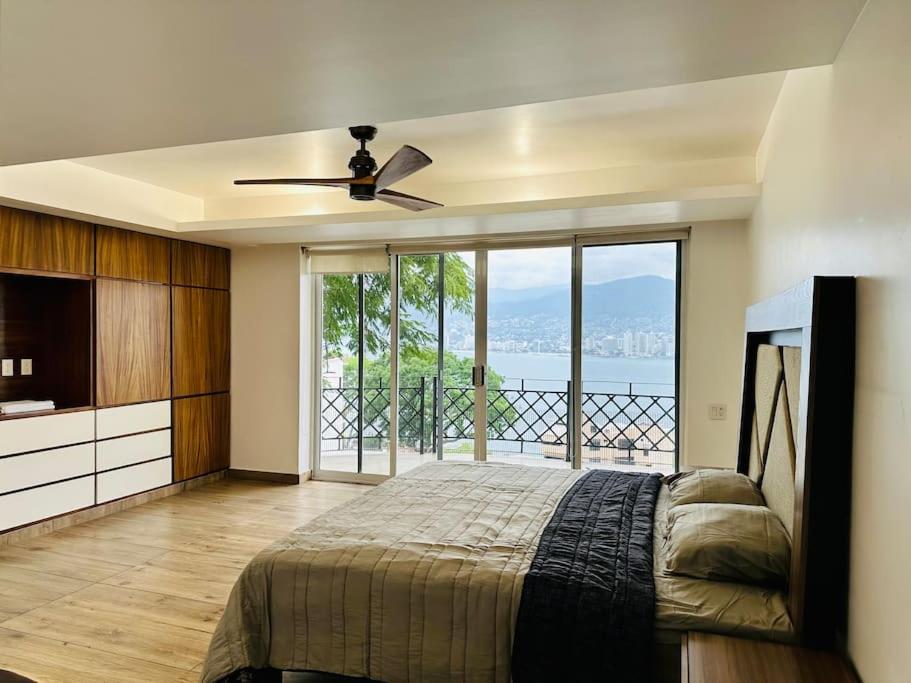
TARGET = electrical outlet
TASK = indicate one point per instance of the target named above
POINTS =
(718, 411)
(25, 366)
(6, 367)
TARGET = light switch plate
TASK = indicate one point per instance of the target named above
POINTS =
(7, 368)
(718, 411)
(25, 366)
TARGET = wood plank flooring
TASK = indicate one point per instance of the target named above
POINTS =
(136, 595)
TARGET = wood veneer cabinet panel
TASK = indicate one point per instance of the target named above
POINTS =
(199, 265)
(201, 340)
(37, 241)
(133, 342)
(132, 255)
(201, 435)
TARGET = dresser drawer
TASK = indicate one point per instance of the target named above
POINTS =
(40, 503)
(129, 480)
(129, 450)
(25, 434)
(34, 469)
(140, 417)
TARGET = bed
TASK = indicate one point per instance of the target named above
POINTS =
(494, 572)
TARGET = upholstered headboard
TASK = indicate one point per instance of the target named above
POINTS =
(795, 440)
(773, 443)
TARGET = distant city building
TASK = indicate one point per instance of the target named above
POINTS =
(641, 337)
(629, 346)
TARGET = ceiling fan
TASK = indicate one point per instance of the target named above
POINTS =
(364, 185)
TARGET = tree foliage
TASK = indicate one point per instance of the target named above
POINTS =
(418, 291)
(418, 279)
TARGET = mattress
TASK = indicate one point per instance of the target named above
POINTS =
(683, 603)
(421, 579)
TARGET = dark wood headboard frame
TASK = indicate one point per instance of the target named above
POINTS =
(818, 316)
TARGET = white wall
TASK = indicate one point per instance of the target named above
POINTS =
(271, 349)
(714, 303)
(269, 297)
(837, 200)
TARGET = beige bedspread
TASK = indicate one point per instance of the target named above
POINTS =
(403, 583)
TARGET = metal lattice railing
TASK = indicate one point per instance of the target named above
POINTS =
(339, 414)
(458, 412)
(626, 428)
(528, 415)
(629, 422)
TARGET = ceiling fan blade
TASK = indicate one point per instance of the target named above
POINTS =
(402, 164)
(328, 182)
(406, 201)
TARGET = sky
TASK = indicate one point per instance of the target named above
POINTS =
(521, 268)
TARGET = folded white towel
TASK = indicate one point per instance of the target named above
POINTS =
(15, 407)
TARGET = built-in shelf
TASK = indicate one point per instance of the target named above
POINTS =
(47, 320)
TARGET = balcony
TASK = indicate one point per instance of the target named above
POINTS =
(632, 430)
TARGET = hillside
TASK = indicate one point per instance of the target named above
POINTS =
(646, 296)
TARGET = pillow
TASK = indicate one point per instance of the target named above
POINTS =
(728, 542)
(713, 486)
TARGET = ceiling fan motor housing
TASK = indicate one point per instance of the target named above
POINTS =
(362, 164)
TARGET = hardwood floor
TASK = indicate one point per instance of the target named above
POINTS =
(135, 596)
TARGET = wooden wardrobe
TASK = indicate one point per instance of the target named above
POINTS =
(129, 334)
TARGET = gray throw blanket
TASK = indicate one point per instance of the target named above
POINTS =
(588, 601)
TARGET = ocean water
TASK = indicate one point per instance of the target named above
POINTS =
(600, 373)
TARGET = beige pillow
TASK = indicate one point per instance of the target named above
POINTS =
(725, 542)
(713, 486)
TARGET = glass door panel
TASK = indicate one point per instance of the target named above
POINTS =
(339, 392)
(435, 347)
(418, 346)
(528, 356)
(376, 374)
(354, 382)
(458, 356)
(629, 356)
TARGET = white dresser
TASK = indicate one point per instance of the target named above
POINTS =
(58, 463)
(133, 449)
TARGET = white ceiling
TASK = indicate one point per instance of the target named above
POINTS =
(95, 76)
(670, 125)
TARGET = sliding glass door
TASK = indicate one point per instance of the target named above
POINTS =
(629, 356)
(436, 340)
(528, 356)
(354, 374)
(561, 356)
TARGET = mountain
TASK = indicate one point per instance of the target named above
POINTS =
(503, 295)
(645, 296)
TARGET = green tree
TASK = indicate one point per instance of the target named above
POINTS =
(418, 285)
(418, 278)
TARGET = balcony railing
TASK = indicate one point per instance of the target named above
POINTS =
(622, 429)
